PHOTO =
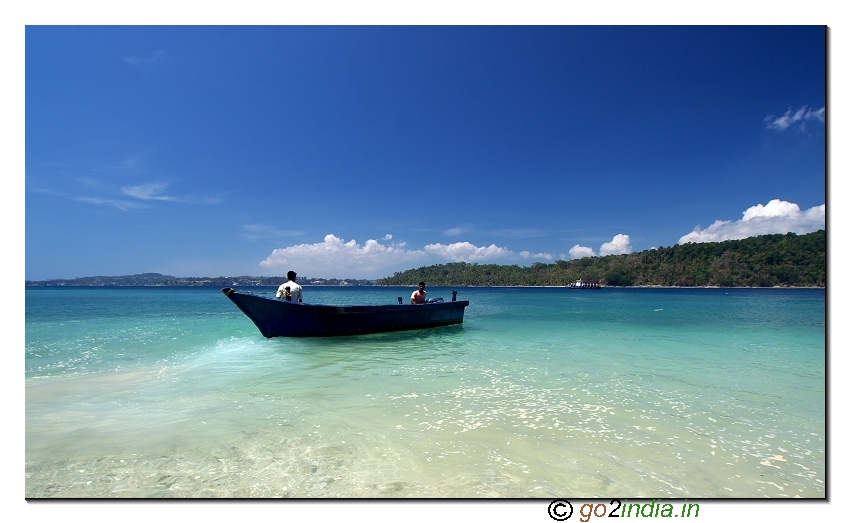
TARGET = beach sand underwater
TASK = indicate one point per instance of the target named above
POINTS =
(540, 393)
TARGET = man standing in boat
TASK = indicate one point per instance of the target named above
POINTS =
(291, 290)
(418, 295)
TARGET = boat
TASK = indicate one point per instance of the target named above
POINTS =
(276, 317)
(578, 284)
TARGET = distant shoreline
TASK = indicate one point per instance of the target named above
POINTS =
(58, 285)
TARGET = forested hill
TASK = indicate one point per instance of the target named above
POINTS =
(785, 260)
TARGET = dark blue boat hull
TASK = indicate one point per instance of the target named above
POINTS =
(284, 318)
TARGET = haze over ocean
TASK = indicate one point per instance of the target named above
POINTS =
(540, 393)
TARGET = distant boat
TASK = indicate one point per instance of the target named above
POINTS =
(284, 318)
(578, 284)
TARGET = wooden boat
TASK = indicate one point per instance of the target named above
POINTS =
(285, 318)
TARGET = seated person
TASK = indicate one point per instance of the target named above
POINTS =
(290, 289)
(418, 295)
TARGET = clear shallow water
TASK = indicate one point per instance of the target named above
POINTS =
(543, 393)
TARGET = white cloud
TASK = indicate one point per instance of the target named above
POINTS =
(123, 205)
(155, 191)
(579, 251)
(620, 244)
(388, 237)
(800, 116)
(465, 251)
(334, 257)
(149, 191)
(454, 231)
(541, 255)
(773, 209)
(777, 217)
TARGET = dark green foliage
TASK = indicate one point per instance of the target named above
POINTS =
(618, 278)
(785, 260)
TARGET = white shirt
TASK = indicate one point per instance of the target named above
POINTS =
(294, 289)
(413, 296)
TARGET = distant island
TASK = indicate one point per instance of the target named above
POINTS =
(154, 279)
(773, 260)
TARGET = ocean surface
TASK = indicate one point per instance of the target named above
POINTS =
(540, 393)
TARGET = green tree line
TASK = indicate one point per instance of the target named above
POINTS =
(784, 260)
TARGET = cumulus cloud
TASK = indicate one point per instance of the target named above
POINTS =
(620, 244)
(791, 118)
(465, 251)
(777, 217)
(334, 257)
(579, 251)
(540, 255)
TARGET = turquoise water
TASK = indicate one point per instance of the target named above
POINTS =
(540, 393)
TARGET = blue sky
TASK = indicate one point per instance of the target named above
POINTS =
(358, 151)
